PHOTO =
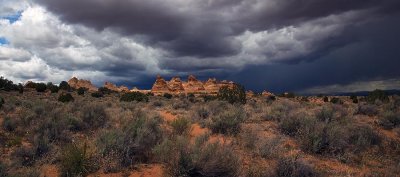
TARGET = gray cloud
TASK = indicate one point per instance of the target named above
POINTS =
(278, 41)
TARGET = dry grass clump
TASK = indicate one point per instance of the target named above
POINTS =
(132, 143)
(182, 158)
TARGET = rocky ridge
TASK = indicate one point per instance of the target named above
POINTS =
(77, 83)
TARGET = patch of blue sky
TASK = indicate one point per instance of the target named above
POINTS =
(13, 18)
(3, 41)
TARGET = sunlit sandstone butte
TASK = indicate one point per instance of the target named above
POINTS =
(161, 86)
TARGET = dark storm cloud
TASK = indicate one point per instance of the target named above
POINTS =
(200, 28)
(373, 55)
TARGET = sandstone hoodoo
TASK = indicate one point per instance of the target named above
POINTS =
(193, 85)
(113, 87)
(160, 86)
(175, 85)
(77, 83)
(211, 85)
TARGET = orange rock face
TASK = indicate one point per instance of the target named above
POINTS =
(211, 85)
(177, 86)
(77, 83)
(160, 86)
(113, 87)
(193, 85)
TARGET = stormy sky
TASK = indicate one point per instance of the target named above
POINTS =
(304, 46)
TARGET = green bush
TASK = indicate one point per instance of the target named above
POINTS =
(97, 94)
(134, 96)
(94, 115)
(41, 87)
(367, 109)
(228, 122)
(81, 91)
(377, 95)
(132, 143)
(270, 147)
(1, 102)
(65, 97)
(64, 86)
(3, 170)
(9, 124)
(182, 158)
(291, 124)
(336, 100)
(105, 91)
(7, 85)
(181, 126)
(354, 98)
(390, 119)
(53, 88)
(167, 95)
(326, 114)
(24, 156)
(76, 161)
(236, 94)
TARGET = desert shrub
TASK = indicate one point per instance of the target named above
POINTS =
(336, 100)
(134, 96)
(41, 145)
(94, 115)
(7, 85)
(313, 136)
(97, 94)
(24, 156)
(228, 122)
(291, 124)
(76, 161)
(236, 94)
(181, 104)
(326, 99)
(41, 87)
(20, 88)
(65, 97)
(167, 95)
(1, 102)
(64, 86)
(25, 172)
(3, 170)
(9, 124)
(270, 148)
(293, 167)
(158, 103)
(249, 138)
(367, 109)
(182, 158)
(81, 91)
(202, 113)
(390, 119)
(181, 126)
(105, 91)
(281, 109)
(134, 142)
(326, 114)
(208, 98)
(354, 98)
(377, 95)
(304, 99)
(270, 98)
(53, 88)
(363, 137)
